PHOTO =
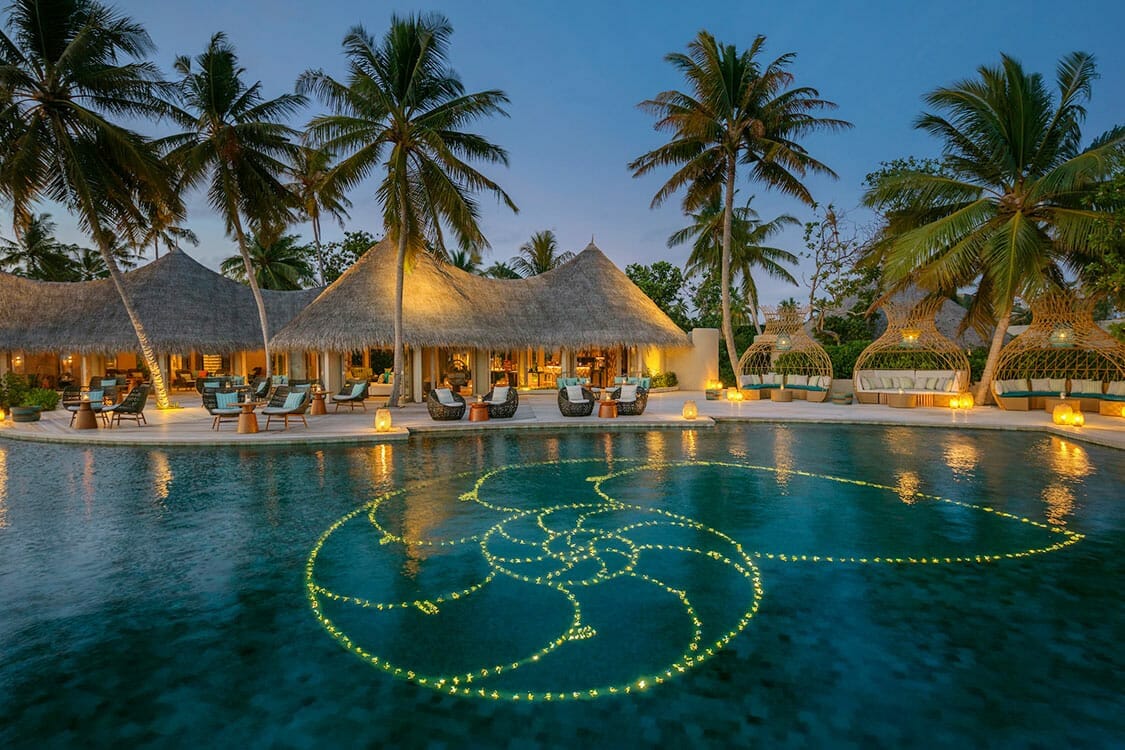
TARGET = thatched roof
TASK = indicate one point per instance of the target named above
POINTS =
(182, 305)
(586, 302)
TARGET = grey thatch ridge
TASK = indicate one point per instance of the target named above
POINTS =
(183, 305)
(586, 302)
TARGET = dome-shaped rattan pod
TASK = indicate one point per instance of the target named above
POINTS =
(785, 356)
(911, 357)
(1062, 351)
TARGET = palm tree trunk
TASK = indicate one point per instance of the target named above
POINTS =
(258, 300)
(159, 386)
(400, 273)
(724, 272)
(316, 243)
(984, 391)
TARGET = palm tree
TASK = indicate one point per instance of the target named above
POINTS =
(539, 255)
(278, 262)
(36, 254)
(402, 111)
(88, 264)
(316, 194)
(162, 226)
(739, 110)
(1010, 211)
(748, 251)
(465, 260)
(236, 143)
(500, 270)
(62, 76)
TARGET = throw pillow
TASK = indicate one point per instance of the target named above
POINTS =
(226, 400)
(867, 384)
(445, 396)
(798, 380)
(1042, 385)
(293, 400)
(628, 393)
(574, 394)
(1056, 385)
(1117, 388)
(500, 394)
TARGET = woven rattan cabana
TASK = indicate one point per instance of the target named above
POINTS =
(1062, 351)
(785, 356)
(911, 357)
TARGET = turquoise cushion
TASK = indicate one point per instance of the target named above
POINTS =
(238, 380)
(109, 382)
(1018, 394)
(95, 395)
(358, 388)
(1112, 397)
(225, 400)
(293, 400)
(212, 384)
(1086, 395)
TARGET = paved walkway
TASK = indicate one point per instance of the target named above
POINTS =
(191, 425)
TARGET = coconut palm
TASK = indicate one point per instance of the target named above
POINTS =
(236, 143)
(316, 194)
(66, 68)
(539, 255)
(1010, 212)
(162, 227)
(500, 270)
(739, 109)
(402, 112)
(466, 260)
(36, 254)
(748, 251)
(279, 262)
(88, 264)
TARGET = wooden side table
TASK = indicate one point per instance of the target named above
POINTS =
(248, 420)
(782, 395)
(607, 408)
(478, 411)
(901, 400)
(318, 406)
(85, 419)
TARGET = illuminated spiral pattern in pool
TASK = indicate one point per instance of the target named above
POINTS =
(655, 570)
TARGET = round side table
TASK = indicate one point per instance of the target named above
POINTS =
(248, 420)
(318, 407)
(85, 419)
(478, 412)
(607, 409)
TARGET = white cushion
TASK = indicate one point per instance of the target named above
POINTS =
(1056, 385)
(866, 383)
(574, 393)
(797, 380)
(1042, 384)
(628, 393)
(445, 396)
(1117, 388)
(825, 381)
(745, 380)
(942, 384)
(886, 382)
(1086, 386)
(499, 394)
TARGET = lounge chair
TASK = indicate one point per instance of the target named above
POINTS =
(183, 380)
(287, 404)
(131, 407)
(502, 402)
(351, 395)
(72, 402)
(446, 405)
(631, 399)
(222, 405)
(576, 401)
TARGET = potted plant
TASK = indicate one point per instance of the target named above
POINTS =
(23, 402)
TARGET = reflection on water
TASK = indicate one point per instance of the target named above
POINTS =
(783, 457)
(899, 441)
(961, 455)
(907, 485)
(3, 489)
(654, 447)
(88, 488)
(381, 456)
(161, 477)
(1068, 459)
(689, 444)
(1060, 503)
(1070, 464)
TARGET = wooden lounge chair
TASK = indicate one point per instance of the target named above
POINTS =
(222, 405)
(583, 407)
(351, 395)
(505, 408)
(131, 407)
(449, 406)
(285, 405)
(72, 402)
(630, 403)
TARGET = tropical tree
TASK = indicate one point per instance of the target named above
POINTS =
(162, 226)
(1011, 213)
(279, 262)
(88, 264)
(66, 68)
(500, 270)
(235, 142)
(748, 250)
(36, 254)
(539, 255)
(466, 260)
(666, 285)
(316, 194)
(739, 109)
(402, 111)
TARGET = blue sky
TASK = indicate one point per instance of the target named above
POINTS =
(575, 72)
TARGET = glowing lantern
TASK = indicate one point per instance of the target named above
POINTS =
(963, 401)
(1, 415)
(955, 402)
(784, 343)
(1062, 414)
(733, 394)
(1077, 419)
(1062, 337)
(382, 420)
(910, 337)
(690, 410)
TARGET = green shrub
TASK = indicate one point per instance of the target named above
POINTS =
(45, 398)
(13, 390)
(843, 357)
(664, 380)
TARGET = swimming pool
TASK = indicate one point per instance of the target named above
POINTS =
(812, 585)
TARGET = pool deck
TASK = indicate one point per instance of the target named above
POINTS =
(191, 425)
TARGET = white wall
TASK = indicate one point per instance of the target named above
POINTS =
(697, 364)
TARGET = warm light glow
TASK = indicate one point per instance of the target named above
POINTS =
(714, 385)
(1062, 337)
(1062, 414)
(1, 415)
(733, 394)
(963, 401)
(691, 411)
(784, 343)
(382, 420)
(910, 337)
(1077, 419)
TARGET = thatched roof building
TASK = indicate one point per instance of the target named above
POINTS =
(586, 302)
(183, 305)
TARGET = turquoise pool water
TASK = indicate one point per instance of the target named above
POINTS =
(785, 586)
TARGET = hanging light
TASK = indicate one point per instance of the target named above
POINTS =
(910, 337)
(691, 411)
(382, 420)
(1062, 337)
(784, 342)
